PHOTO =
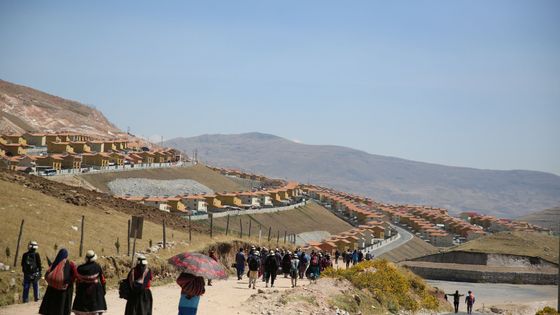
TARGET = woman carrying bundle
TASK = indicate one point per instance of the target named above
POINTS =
(60, 279)
(192, 287)
(140, 300)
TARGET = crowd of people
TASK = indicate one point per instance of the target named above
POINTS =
(63, 276)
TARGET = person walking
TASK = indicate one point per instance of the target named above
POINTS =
(469, 300)
(348, 258)
(140, 299)
(270, 268)
(354, 257)
(294, 269)
(314, 266)
(302, 264)
(336, 256)
(212, 254)
(456, 298)
(360, 256)
(254, 264)
(90, 288)
(60, 278)
(192, 287)
(240, 263)
(286, 264)
(31, 268)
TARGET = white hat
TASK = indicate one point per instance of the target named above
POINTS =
(91, 256)
(33, 244)
(142, 260)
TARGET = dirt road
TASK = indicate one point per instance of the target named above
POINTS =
(223, 297)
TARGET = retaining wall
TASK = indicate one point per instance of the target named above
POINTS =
(250, 211)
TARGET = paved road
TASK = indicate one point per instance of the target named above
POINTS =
(405, 236)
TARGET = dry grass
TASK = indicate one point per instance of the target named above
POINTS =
(516, 243)
(410, 250)
(311, 217)
(199, 173)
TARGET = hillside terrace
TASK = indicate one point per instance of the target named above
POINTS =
(51, 154)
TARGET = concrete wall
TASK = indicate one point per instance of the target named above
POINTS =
(251, 211)
(475, 258)
(456, 257)
(482, 276)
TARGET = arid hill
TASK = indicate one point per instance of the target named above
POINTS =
(548, 218)
(388, 179)
(25, 109)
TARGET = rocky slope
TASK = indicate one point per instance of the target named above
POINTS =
(501, 193)
(25, 109)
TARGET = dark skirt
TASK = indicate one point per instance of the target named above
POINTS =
(90, 297)
(57, 302)
(139, 302)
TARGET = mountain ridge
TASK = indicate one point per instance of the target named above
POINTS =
(388, 179)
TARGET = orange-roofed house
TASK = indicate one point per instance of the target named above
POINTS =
(52, 138)
(250, 199)
(157, 202)
(53, 161)
(59, 148)
(176, 204)
(116, 158)
(195, 203)
(213, 202)
(264, 199)
(109, 146)
(14, 149)
(95, 159)
(229, 199)
(80, 147)
(18, 139)
(96, 146)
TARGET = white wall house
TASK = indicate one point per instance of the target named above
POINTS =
(196, 203)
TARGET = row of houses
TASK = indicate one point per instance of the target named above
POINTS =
(493, 224)
(358, 238)
(287, 194)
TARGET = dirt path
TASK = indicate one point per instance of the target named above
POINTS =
(223, 297)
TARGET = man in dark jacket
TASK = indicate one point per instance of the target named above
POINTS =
(31, 267)
(456, 298)
(240, 263)
(270, 268)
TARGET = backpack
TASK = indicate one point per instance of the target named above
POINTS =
(315, 260)
(253, 263)
(124, 289)
(55, 277)
(30, 264)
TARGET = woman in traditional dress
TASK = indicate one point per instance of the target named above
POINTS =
(192, 287)
(90, 288)
(60, 279)
(140, 298)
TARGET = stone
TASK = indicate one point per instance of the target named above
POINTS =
(260, 291)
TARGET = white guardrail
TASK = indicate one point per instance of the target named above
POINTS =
(250, 211)
(109, 169)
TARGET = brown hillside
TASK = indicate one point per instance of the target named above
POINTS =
(412, 249)
(549, 218)
(199, 173)
(25, 109)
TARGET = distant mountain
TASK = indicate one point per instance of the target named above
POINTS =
(548, 218)
(501, 193)
(25, 109)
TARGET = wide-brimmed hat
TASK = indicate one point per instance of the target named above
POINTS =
(33, 244)
(91, 255)
(142, 260)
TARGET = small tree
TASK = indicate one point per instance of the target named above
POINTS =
(150, 243)
(117, 246)
(7, 251)
(55, 247)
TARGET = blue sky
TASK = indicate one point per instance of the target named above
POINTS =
(469, 83)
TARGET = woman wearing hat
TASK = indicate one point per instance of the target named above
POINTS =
(90, 288)
(60, 278)
(140, 298)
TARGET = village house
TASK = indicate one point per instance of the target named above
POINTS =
(147, 157)
(249, 199)
(161, 157)
(264, 199)
(59, 147)
(109, 146)
(212, 202)
(195, 203)
(229, 199)
(157, 202)
(14, 149)
(176, 204)
(17, 139)
(95, 159)
(21, 163)
(116, 159)
(52, 138)
(96, 146)
(36, 139)
(52, 161)
(71, 161)
(80, 147)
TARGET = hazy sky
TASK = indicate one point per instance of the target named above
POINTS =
(470, 83)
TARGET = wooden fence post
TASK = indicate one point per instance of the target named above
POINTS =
(285, 235)
(277, 237)
(211, 225)
(249, 228)
(133, 250)
(164, 236)
(128, 240)
(227, 225)
(260, 233)
(190, 226)
(240, 228)
(269, 230)
(82, 237)
(18, 242)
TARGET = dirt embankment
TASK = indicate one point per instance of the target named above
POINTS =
(83, 197)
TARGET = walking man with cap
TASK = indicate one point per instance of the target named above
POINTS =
(31, 267)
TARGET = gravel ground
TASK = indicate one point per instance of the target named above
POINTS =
(155, 187)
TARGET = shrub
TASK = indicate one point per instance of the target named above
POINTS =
(547, 310)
